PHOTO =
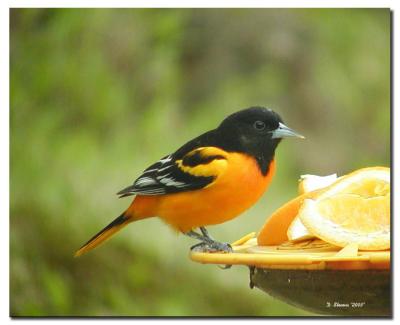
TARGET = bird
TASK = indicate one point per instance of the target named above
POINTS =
(211, 179)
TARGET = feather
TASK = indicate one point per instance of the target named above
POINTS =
(194, 170)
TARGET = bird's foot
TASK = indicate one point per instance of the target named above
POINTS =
(212, 247)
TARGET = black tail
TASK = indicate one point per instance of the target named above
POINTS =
(104, 234)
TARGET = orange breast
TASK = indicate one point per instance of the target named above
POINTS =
(233, 192)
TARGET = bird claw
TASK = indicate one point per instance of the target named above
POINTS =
(212, 247)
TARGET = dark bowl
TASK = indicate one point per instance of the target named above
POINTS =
(329, 292)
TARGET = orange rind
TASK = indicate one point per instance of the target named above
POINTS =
(352, 209)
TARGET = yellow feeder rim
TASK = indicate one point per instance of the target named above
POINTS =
(308, 253)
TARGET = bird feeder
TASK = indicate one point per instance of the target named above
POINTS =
(314, 275)
(327, 250)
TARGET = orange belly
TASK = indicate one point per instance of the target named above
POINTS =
(233, 192)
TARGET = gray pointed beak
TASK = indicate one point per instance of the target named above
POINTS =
(284, 132)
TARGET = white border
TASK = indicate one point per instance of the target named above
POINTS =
(4, 98)
(204, 3)
(4, 161)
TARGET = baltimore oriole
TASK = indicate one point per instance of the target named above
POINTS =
(209, 180)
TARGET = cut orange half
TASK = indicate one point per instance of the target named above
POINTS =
(274, 231)
(307, 183)
(353, 210)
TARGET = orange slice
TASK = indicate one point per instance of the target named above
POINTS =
(307, 183)
(353, 210)
(274, 231)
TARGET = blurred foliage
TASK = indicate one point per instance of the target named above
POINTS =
(99, 94)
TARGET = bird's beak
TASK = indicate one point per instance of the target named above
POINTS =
(283, 132)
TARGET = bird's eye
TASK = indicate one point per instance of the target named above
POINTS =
(259, 125)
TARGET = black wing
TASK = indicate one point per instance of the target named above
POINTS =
(172, 175)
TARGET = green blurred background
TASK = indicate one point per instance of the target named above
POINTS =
(99, 94)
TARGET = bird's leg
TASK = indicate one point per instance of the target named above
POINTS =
(195, 235)
(205, 233)
(207, 244)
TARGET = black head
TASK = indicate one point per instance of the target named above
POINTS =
(256, 131)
